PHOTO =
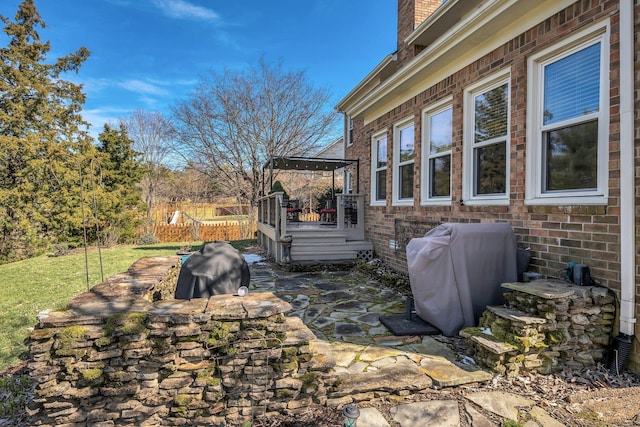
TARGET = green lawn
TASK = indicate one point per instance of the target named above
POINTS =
(30, 286)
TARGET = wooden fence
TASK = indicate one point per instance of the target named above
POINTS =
(167, 233)
(162, 212)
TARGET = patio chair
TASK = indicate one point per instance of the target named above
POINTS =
(293, 210)
(328, 214)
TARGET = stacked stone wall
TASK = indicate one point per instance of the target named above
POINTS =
(115, 357)
(545, 326)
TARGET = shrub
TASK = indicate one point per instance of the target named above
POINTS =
(148, 239)
(110, 237)
(321, 201)
(60, 249)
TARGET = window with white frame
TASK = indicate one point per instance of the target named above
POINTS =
(403, 158)
(347, 183)
(379, 169)
(567, 154)
(486, 142)
(436, 154)
(349, 130)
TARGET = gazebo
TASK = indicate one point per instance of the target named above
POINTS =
(338, 237)
(308, 164)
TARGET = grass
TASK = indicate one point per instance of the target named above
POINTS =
(33, 285)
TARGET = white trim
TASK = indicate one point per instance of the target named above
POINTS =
(627, 175)
(534, 194)
(487, 28)
(425, 155)
(395, 169)
(349, 134)
(374, 167)
(468, 164)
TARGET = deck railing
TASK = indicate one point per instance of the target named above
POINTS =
(273, 222)
(269, 208)
(350, 215)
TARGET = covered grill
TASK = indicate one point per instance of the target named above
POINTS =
(456, 270)
(215, 269)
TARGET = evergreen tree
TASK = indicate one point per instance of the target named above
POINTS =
(42, 144)
(119, 205)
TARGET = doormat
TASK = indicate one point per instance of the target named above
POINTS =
(400, 325)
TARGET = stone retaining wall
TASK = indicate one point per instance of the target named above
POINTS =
(545, 326)
(116, 357)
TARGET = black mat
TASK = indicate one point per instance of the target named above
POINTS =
(400, 325)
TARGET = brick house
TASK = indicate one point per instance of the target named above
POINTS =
(516, 111)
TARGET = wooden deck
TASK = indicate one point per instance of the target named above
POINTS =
(339, 237)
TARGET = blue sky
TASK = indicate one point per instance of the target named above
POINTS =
(149, 54)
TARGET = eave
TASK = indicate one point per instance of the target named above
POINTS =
(380, 73)
(479, 28)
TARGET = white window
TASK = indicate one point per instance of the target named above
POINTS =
(486, 142)
(403, 157)
(379, 169)
(347, 183)
(568, 121)
(437, 136)
(349, 130)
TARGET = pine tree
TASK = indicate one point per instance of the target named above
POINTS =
(119, 205)
(43, 139)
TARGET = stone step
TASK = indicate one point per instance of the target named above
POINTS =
(544, 288)
(481, 337)
(403, 375)
(516, 315)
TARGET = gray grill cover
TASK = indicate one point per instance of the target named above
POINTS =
(456, 270)
(215, 269)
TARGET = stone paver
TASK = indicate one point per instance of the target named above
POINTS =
(499, 402)
(543, 418)
(476, 418)
(447, 374)
(403, 375)
(435, 413)
(371, 417)
(362, 358)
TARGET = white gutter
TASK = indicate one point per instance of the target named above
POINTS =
(627, 175)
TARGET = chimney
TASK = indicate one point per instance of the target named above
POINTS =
(412, 13)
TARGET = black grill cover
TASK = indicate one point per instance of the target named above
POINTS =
(215, 269)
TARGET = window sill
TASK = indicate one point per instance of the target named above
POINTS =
(567, 200)
(402, 203)
(485, 202)
(433, 202)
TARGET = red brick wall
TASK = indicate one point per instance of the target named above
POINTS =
(556, 235)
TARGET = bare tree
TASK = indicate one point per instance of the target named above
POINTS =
(235, 121)
(151, 133)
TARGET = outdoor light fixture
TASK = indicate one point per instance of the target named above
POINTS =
(351, 414)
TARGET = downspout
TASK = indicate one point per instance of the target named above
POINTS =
(627, 175)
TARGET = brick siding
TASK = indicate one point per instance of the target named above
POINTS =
(555, 234)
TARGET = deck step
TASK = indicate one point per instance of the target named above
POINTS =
(323, 255)
(515, 315)
(316, 234)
